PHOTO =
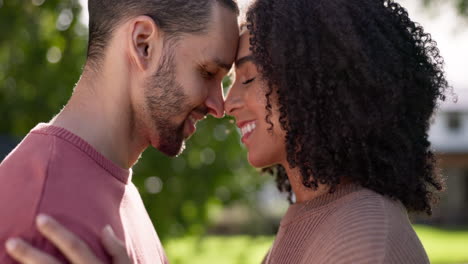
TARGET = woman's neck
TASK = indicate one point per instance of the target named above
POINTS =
(301, 192)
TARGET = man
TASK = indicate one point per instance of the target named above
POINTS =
(154, 68)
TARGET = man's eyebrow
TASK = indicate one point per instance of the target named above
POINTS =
(244, 59)
(222, 64)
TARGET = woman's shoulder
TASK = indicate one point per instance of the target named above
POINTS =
(369, 209)
(361, 212)
(353, 205)
(365, 226)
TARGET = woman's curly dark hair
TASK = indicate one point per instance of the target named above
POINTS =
(357, 83)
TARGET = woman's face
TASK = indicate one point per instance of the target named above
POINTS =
(246, 101)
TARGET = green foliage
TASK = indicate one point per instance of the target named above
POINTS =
(209, 175)
(42, 52)
(461, 5)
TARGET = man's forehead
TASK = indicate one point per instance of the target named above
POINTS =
(211, 55)
(217, 50)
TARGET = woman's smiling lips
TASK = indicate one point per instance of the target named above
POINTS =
(246, 128)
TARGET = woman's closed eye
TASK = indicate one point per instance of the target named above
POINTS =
(249, 81)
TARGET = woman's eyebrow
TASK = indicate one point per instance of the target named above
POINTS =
(243, 60)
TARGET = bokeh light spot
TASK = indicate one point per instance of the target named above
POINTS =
(208, 156)
(37, 2)
(54, 55)
(153, 185)
(219, 133)
(64, 20)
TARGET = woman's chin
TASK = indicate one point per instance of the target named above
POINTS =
(259, 161)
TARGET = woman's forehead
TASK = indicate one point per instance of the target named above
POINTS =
(244, 45)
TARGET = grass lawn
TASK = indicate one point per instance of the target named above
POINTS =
(218, 250)
(442, 246)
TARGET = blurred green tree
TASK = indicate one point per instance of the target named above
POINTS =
(460, 5)
(42, 52)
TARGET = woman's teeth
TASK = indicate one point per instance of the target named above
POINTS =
(248, 128)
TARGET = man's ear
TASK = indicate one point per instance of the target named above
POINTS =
(145, 40)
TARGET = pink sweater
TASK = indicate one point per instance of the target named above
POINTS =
(55, 172)
(352, 225)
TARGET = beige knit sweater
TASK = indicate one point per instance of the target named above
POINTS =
(351, 225)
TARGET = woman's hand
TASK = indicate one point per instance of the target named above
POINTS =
(73, 248)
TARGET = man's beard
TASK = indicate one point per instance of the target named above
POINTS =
(165, 98)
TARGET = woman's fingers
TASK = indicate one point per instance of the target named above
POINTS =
(114, 246)
(24, 253)
(69, 244)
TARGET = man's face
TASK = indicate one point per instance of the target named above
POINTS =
(188, 82)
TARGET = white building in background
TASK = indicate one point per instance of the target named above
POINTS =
(449, 132)
(449, 138)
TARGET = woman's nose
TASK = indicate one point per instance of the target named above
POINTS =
(233, 100)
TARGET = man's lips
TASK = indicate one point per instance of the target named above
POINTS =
(191, 121)
(194, 118)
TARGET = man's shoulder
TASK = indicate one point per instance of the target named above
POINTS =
(32, 153)
(24, 171)
(22, 177)
(41, 174)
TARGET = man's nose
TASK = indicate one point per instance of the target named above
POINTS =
(215, 103)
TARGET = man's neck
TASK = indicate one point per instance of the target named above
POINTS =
(101, 114)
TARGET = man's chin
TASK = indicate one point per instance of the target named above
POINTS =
(187, 137)
(172, 150)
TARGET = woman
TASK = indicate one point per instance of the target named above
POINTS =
(334, 97)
